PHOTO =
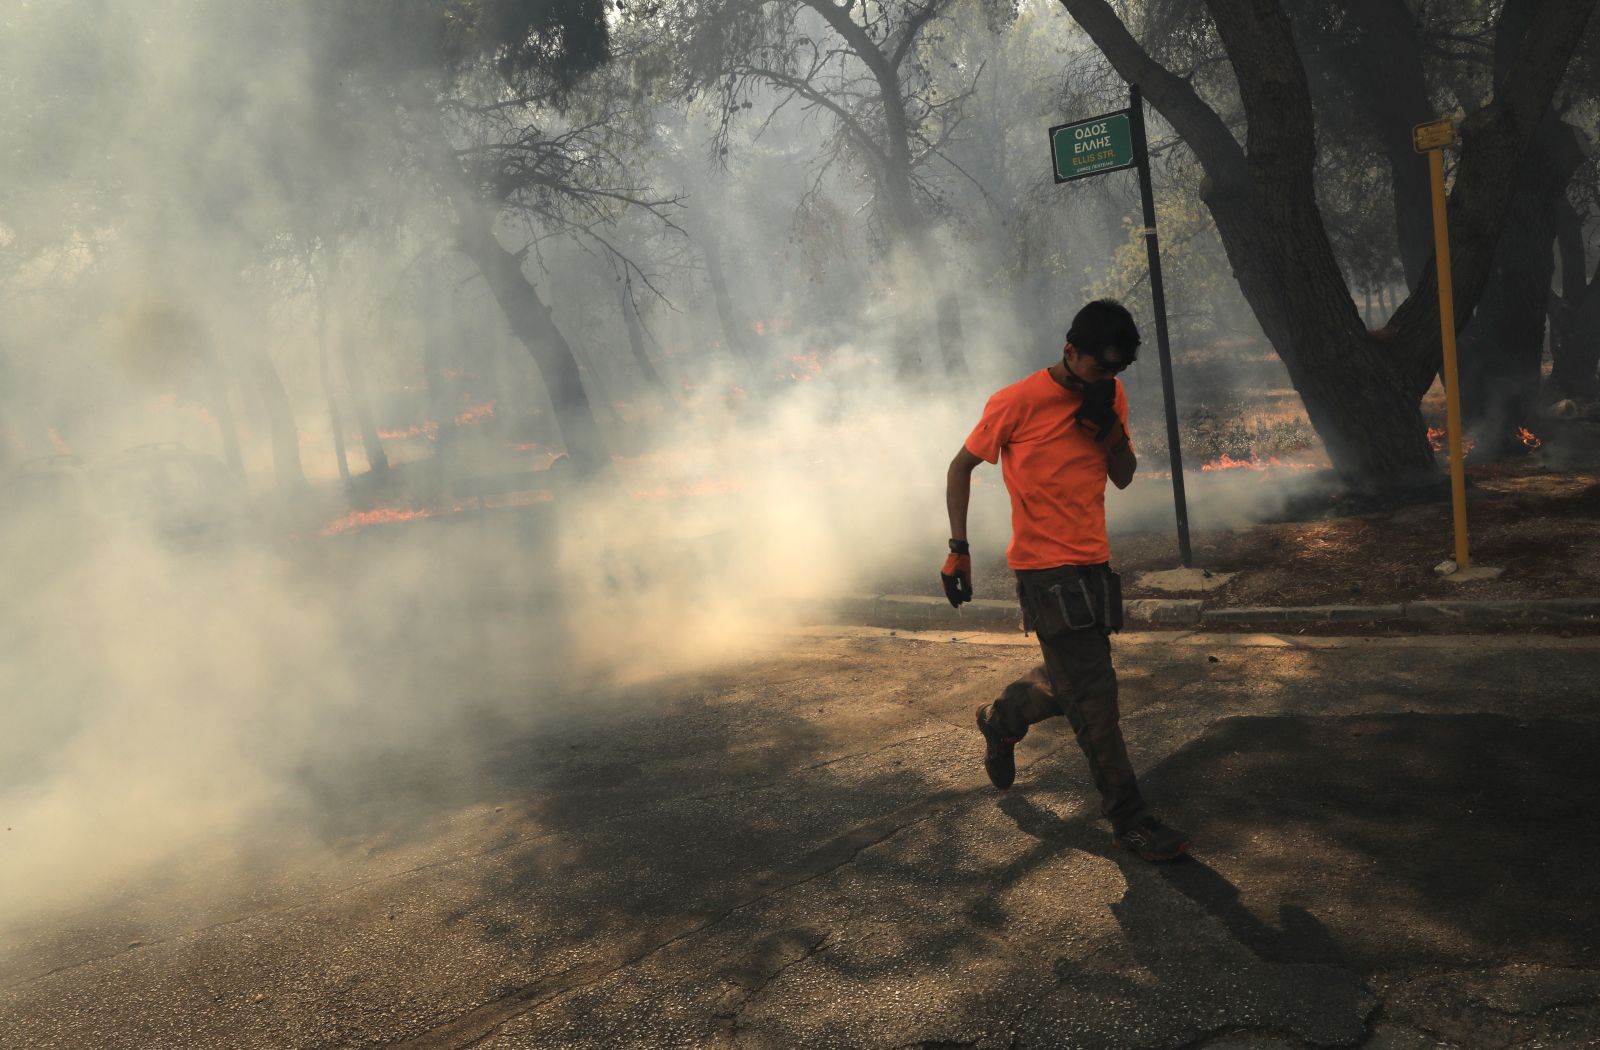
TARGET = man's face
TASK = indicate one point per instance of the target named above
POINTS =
(1084, 367)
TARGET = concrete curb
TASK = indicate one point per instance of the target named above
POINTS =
(915, 612)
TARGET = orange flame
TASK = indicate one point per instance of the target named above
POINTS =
(1437, 436)
(1255, 462)
(476, 413)
(357, 519)
(1529, 438)
(807, 366)
(430, 428)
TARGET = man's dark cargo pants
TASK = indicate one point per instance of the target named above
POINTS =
(1076, 680)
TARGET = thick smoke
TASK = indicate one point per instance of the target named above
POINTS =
(205, 644)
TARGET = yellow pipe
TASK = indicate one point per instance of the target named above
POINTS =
(1447, 330)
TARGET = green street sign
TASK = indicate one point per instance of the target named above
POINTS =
(1093, 146)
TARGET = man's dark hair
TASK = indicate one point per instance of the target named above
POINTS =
(1105, 330)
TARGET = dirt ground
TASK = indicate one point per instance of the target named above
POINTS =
(1541, 527)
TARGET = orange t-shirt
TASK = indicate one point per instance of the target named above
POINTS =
(1054, 469)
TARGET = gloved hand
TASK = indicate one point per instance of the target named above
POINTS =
(957, 577)
(1099, 408)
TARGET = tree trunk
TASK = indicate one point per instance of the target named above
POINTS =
(227, 424)
(909, 232)
(703, 232)
(1362, 392)
(355, 380)
(1371, 426)
(526, 313)
(600, 395)
(325, 369)
(1574, 314)
(1267, 215)
(734, 332)
(630, 318)
(952, 335)
(1502, 348)
(530, 321)
(281, 426)
(1384, 74)
(441, 402)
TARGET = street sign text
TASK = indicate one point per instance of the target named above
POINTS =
(1089, 147)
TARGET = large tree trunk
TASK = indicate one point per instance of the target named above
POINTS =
(1502, 348)
(1371, 426)
(441, 402)
(630, 318)
(1362, 393)
(526, 313)
(222, 412)
(325, 371)
(703, 232)
(355, 380)
(734, 330)
(1574, 314)
(927, 286)
(281, 426)
(1384, 75)
(530, 321)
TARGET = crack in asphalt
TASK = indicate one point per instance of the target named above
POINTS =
(761, 986)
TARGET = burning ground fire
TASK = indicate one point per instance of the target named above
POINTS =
(806, 366)
(1438, 439)
(1255, 462)
(466, 417)
(360, 519)
(475, 414)
(430, 428)
(357, 519)
(536, 493)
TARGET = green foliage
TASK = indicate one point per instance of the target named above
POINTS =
(1202, 298)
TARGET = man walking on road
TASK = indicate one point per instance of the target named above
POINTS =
(1058, 435)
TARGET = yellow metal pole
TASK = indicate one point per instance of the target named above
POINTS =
(1447, 330)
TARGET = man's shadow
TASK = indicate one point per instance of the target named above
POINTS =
(1299, 936)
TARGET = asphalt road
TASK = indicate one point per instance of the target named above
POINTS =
(1394, 847)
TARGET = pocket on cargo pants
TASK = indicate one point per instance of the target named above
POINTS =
(1055, 605)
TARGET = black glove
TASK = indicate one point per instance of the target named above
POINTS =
(1099, 408)
(957, 578)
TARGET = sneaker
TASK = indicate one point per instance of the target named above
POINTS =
(1153, 840)
(999, 758)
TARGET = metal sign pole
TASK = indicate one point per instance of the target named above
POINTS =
(1158, 299)
(1432, 138)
